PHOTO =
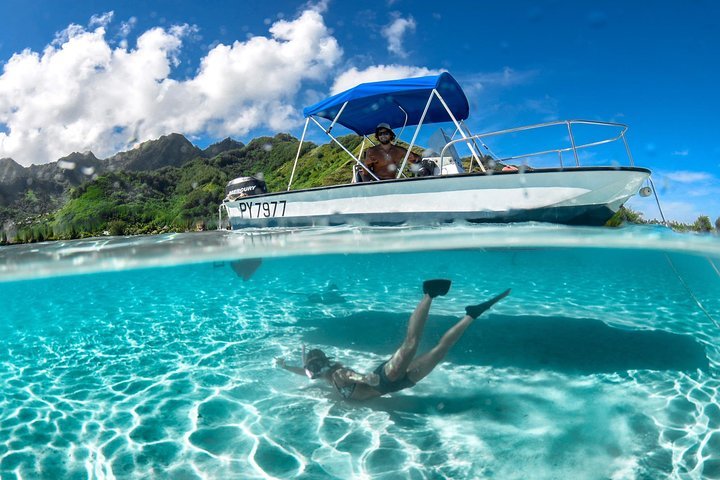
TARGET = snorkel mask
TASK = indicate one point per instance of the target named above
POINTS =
(317, 364)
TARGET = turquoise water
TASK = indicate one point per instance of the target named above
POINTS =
(152, 358)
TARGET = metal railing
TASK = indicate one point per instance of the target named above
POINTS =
(559, 151)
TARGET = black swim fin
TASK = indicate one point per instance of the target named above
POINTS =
(437, 287)
(475, 311)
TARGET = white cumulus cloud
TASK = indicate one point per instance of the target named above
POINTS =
(395, 33)
(377, 73)
(479, 82)
(80, 93)
(683, 176)
(101, 20)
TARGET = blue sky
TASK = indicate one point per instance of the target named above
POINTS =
(103, 76)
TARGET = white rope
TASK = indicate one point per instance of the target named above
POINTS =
(687, 287)
(712, 264)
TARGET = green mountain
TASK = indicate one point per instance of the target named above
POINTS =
(170, 150)
(164, 185)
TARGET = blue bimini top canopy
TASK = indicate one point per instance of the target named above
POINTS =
(369, 104)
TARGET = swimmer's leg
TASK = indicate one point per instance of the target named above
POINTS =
(425, 363)
(398, 364)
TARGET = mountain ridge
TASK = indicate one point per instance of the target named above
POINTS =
(72, 170)
(167, 184)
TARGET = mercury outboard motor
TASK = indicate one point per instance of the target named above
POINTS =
(426, 168)
(244, 187)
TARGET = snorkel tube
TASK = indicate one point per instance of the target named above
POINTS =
(304, 358)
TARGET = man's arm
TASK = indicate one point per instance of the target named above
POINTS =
(369, 162)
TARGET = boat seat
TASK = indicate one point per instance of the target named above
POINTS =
(449, 166)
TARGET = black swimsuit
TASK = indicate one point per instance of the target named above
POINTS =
(387, 386)
(347, 391)
(384, 386)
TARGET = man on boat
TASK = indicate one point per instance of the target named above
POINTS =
(385, 159)
(402, 370)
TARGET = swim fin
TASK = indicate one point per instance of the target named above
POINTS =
(475, 311)
(436, 287)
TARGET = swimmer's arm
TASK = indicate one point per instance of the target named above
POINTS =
(280, 362)
(348, 376)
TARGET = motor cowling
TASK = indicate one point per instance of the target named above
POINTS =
(244, 187)
(426, 168)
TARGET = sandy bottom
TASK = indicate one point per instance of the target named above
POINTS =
(601, 364)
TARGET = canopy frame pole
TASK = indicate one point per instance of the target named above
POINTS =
(404, 123)
(454, 133)
(462, 133)
(343, 147)
(297, 156)
(362, 147)
(336, 118)
(417, 131)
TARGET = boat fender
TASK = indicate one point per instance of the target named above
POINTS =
(645, 192)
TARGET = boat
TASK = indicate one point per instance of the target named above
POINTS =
(481, 187)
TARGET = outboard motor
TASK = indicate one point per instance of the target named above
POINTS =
(426, 168)
(244, 187)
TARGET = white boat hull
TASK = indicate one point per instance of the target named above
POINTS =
(579, 196)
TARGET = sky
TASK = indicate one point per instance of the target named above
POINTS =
(104, 76)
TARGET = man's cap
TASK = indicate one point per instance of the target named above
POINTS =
(384, 126)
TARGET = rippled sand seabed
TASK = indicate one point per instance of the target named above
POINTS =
(602, 363)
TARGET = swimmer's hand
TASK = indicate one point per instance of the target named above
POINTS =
(280, 362)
